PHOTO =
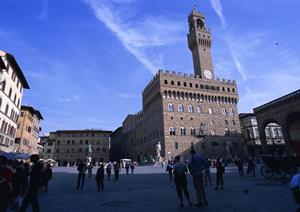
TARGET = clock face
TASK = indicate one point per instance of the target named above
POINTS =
(207, 74)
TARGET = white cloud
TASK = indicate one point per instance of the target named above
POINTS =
(44, 12)
(74, 98)
(137, 35)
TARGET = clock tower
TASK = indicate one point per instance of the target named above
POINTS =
(199, 40)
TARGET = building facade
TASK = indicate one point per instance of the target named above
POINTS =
(250, 133)
(70, 146)
(182, 111)
(12, 85)
(48, 144)
(285, 113)
(28, 130)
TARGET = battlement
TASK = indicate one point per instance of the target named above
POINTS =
(192, 76)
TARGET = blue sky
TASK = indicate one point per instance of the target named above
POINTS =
(87, 61)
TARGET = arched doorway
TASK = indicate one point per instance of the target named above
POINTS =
(274, 139)
(293, 128)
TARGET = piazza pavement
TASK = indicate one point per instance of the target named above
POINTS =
(149, 189)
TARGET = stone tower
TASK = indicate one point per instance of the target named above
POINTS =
(199, 40)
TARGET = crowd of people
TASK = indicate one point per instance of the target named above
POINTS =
(20, 182)
(82, 168)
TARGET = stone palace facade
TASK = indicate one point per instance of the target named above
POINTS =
(183, 111)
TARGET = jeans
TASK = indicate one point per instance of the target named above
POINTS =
(80, 180)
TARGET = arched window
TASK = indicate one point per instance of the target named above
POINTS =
(199, 110)
(231, 112)
(172, 82)
(190, 109)
(184, 84)
(170, 107)
(193, 131)
(223, 111)
(15, 98)
(0, 103)
(180, 108)
(210, 111)
(166, 82)
(226, 122)
(172, 131)
(226, 132)
(182, 131)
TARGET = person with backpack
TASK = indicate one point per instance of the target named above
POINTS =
(196, 166)
(219, 175)
(180, 180)
(100, 177)
(81, 175)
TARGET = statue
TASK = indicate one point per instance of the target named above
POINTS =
(89, 152)
(158, 150)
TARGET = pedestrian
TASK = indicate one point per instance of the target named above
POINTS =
(169, 169)
(108, 171)
(180, 180)
(197, 164)
(100, 177)
(5, 184)
(81, 174)
(295, 186)
(251, 167)
(90, 171)
(127, 167)
(25, 175)
(34, 183)
(207, 173)
(219, 175)
(132, 166)
(116, 170)
(47, 175)
(240, 166)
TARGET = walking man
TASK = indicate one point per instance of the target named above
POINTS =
(81, 175)
(108, 171)
(100, 178)
(207, 173)
(47, 173)
(34, 183)
(90, 171)
(117, 171)
(169, 169)
(180, 180)
(197, 164)
(127, 167)
(219, 175)
(132, 167)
